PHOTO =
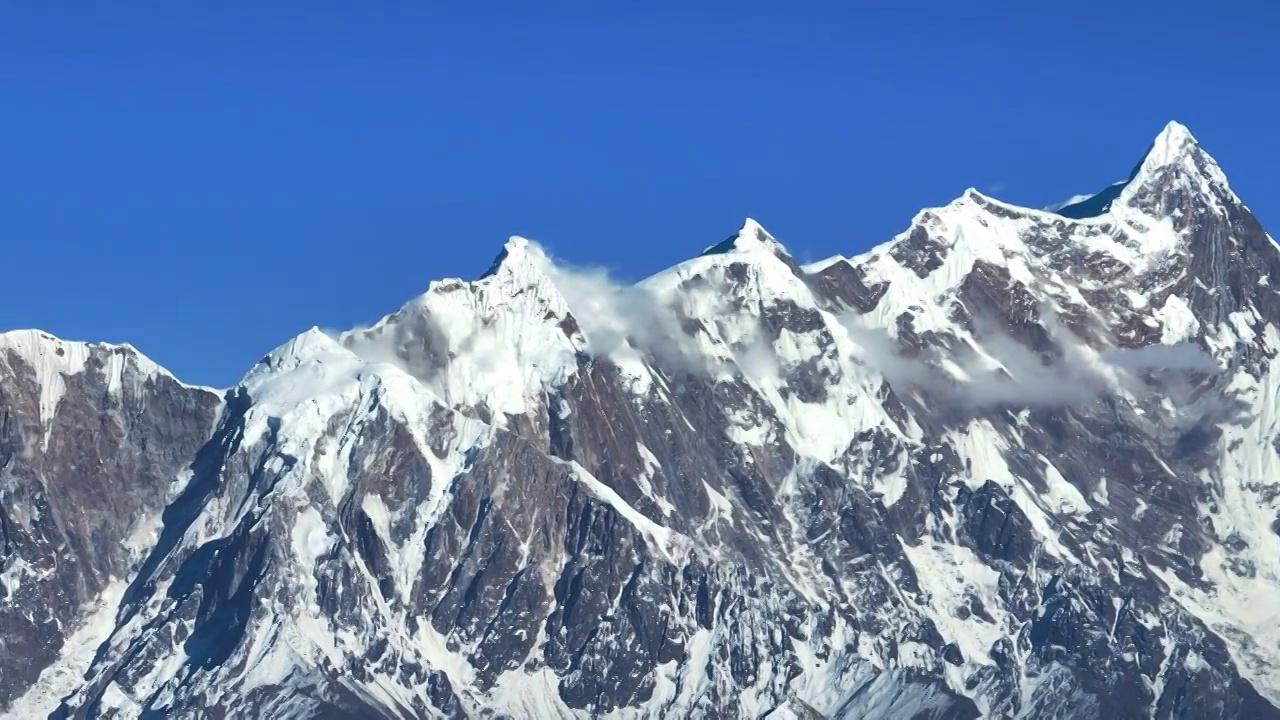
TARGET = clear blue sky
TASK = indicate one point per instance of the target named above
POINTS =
(205, 180)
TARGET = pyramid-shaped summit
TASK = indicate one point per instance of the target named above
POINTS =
(1174, 151)
(751, 237)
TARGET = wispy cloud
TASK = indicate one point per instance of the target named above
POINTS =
(1002, 371)
(620, 319)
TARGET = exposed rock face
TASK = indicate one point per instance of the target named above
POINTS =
(92, 437)
(1011, 463)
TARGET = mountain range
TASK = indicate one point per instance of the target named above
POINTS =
(1011, 463)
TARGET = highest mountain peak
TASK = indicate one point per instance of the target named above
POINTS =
(750, 238)
(1172, 142)
(1176, 147)
(519, 255)
(1174, 160)
(1176, 179)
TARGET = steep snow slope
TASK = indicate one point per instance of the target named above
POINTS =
(1010, 463)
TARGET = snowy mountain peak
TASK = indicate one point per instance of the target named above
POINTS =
(50, 354)
(35, 343)
(751, 228)
(1174, 139)
(519, 256)
(309, 345)
(490, 346)
(1175, 162)
(1174, 148)
(54, 365)
(1175, 170)
(313, 350)
(750, 238)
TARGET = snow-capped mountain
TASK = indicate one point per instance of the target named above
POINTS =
(1011, 463)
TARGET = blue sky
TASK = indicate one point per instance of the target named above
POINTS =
(205, 180)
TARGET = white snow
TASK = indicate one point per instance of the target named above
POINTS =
(376, 509)
(1073, 200)
(645, 479)
(949, 576)
(502, 333)
(751, 238)
(672, 545)
(721, 508)
(530, 695)
(52, 360)
(1100, 493)
(1065, 496)
(11, 578)
(820, 265)
(310, 539)
(64, 675)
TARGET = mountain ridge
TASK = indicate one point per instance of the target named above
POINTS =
(1009, 462)
(1174, 138)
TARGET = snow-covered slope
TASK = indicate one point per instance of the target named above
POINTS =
(1011, 463)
